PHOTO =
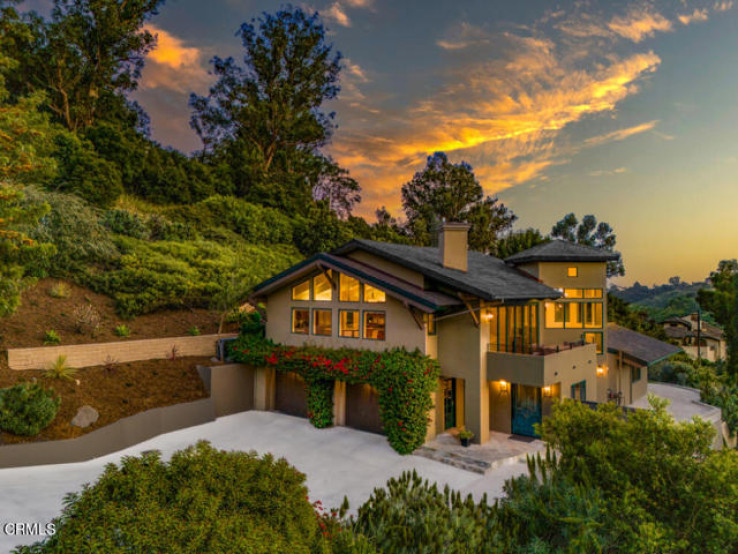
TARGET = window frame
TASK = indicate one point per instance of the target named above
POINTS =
(363, 295)
(342, 310)
(292, 320)
(340, 288)
(310, 290)
(331, 289)
(312, 322)
(575, 271)
(364, 326)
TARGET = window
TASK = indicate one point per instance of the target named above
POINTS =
(349, 289)
(572, 272)
(573, 293)
(595, 338)
(573, 315)
(592, 293)
(301, 291)
(348, 323)
(635, 374)
(373, 295)
(374, 325)
(322, 290)
(322, 320)
(555, 315)
(593, 315)
(579, 391)
(431, 324)
(300, 321)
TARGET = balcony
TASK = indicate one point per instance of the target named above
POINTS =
(543, 365)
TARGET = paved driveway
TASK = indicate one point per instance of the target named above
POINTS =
(337, 461)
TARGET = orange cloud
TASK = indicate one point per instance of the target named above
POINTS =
(621, 134)
(639, 24)
(723, 6)
(696, 15)
(173, 65)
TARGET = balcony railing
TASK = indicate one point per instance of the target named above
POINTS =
(534, 349)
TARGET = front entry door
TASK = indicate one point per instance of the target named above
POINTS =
(526, 409)
(449, 403)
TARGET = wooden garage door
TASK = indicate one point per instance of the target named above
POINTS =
(291, 397)
(362, 408)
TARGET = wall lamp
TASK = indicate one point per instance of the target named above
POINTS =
(600, 371)
(503, 386)
(547, 392)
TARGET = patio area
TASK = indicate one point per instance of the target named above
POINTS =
(501, 449)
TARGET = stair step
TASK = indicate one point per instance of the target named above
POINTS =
(453, 459)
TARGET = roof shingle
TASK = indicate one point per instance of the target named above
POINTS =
(562, 251)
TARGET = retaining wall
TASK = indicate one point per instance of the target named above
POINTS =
(88, 355)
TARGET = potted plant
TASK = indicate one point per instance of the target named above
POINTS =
(465, 436)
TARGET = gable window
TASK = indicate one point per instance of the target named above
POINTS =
(301, 291)
(374, 325)
(431, 324)
(595, 338)
(322, 290)
(322, 320)
(373, 295)
(593, 315)
(572, 271)
(348, 325)
(349, 289)
(300, 321)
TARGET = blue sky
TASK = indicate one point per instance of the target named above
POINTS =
(625, 110)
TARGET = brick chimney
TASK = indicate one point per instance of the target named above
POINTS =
(453, 248)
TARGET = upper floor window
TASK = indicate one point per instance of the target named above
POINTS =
(595, 338)
(592, 314)
(578, 294)
(555, 314)
(349, 289)
(374, 325)
(301, 291)
(572, 271)
(322, 322)
(348, 324)
(372, 294)
(322, 289)
(301, 321)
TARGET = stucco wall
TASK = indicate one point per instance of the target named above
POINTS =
(401, 328)
(88, 355)
(231, 386)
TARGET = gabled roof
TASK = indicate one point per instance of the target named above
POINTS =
(487, 277)
(638, 346)
(428, 301)
(562, 251)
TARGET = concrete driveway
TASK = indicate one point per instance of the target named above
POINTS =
(338, 462)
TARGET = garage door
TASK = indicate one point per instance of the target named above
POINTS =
(291, 397)
(362, 408)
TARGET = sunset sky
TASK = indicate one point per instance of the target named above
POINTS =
(628, 111)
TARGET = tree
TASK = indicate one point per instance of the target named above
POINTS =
(722, 300)
(202, 500)
(89, 51)
(517, 241)
(589, 233)
(451, 192)
(336, 187)
(265, 120)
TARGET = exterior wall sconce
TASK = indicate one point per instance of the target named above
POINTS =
(547, 392)
(488, 316)
(600, 371)
(503, 386)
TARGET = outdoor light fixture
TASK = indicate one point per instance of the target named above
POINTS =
(546, 391)
(503, 386)
(488, 315)
(600, 370)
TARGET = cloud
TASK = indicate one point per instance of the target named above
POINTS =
(608, 172)
(621, 134)
(463, 36)
(356, 71)
(639, 24)
(174, 65)
(723, 6)
(337, 14)
(696, 15)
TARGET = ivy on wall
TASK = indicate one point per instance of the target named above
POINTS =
(404, 380)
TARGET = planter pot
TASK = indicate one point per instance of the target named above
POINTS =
(464, 442)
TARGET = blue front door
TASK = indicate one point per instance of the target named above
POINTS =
(526, 409)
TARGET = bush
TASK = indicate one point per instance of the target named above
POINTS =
(27, 408)
(202, 500)
(122, 222)
(122, 331)
(86, 319)
(194, 331)
(60, 290)
(51, 338)
(59, 369)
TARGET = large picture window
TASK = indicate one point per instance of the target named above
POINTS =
(301, 291)
(322, 322)
(374, 325)
(348, 325)
(555, 312)
(349, 289)
(593, 315)
(373, 295)
(300, 321)
(573, 316)
(322, 290)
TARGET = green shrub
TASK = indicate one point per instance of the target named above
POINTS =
(122, 222)
(404, 380)
(59, 369)
(194, 331)
(51, 338)
(27, 408)
(122, 331)
(202, 500)
(60, 290)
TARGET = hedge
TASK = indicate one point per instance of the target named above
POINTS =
(404, 380)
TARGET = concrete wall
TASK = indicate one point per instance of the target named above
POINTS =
(231, 387)
(88, 355)
(400, 327)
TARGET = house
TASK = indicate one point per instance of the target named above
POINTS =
(696, 337)
(510, 336)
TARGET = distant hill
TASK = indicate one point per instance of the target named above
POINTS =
(661, 302)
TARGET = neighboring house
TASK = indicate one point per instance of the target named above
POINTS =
(510, 336)
(696, 337)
